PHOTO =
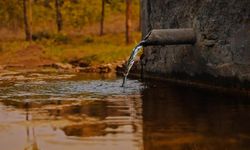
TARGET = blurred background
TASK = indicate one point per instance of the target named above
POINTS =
(47, 31)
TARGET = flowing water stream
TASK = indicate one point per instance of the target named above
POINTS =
(59, 111)
(131, 61)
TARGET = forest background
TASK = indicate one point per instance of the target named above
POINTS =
(79, 32)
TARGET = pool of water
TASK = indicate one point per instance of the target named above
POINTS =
(56, 111)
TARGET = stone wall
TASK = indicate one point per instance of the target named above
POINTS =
(223, 38)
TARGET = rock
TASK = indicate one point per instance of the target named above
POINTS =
(85, 69)
(62, 66)
(105, 68)
(95, 69)
(79, 62)
(83, 64)
(222, 39)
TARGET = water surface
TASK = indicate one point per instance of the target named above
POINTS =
(91, 111)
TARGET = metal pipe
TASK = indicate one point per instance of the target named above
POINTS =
(170, 37)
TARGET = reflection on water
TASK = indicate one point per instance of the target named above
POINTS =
(182, 118)
(58, 111)
(42, 111)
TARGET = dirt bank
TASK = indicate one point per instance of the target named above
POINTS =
(34, 57)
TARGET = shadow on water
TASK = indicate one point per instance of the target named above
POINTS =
(56, 112)
(182, 118)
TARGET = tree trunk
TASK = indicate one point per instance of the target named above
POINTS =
(27, 15)
(46, 3)
(140, 14)
(102, 18)
(59, 20)
(128, 21)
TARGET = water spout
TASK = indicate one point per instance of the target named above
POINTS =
(170, 37)
(161, 37)
(131, 61)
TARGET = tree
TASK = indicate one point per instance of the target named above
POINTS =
(128, 21)
(27, 15)
(11, 15)
(140, 15)
(46, 3)
(59, 21)
(102, 18)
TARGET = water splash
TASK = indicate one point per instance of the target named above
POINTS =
(131, 61)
